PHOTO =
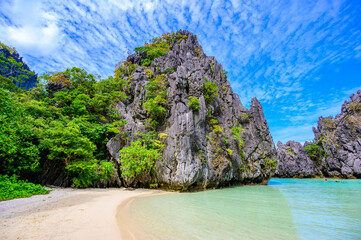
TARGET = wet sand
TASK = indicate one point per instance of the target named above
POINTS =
(129, 229)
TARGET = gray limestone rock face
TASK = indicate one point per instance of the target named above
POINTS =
(338, 137)
(294, 161)
(197, 154)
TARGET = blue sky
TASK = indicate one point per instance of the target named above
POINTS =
(301, 59)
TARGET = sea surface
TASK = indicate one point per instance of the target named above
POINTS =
(284, 209)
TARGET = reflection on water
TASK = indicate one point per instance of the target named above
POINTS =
(330, 210)
(250, 212)
(285, 209)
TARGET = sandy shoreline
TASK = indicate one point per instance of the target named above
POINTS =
(69, 214)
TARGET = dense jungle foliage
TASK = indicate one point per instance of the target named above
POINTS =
(71, 126)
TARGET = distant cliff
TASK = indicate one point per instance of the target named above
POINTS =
(209, 138)
(335, 151)
(13, 67)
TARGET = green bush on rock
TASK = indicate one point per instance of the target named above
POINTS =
(271, 163)
(156, 97)
(210, 91)
(139, 158)
(158, 47)
(315, 152)
(237, 133)
(193, 103)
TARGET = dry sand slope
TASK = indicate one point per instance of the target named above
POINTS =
(66, 214)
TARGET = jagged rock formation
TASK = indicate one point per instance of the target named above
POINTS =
(12, 66)
(202, 149)
(339, 142)
(294, 161)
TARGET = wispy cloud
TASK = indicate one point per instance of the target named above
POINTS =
(272, 49)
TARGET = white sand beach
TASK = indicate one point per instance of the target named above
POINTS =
(68, 214)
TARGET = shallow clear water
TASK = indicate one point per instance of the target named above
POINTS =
(284, 209)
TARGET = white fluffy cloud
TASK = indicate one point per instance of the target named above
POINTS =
(272, 49)
(29, 27)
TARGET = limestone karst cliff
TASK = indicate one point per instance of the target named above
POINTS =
(294, 161)
(13, 67)
(210, 139)
(335, 151)
(167, 118)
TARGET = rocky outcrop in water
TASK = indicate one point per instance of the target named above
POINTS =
(12, 66)
(217, 144)
(294, 161)
(335, 152)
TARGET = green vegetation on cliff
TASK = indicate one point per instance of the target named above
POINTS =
(12, 68)
(67, 120)
(75, 129)
(158, 47)
(156, 97)
(139, 158)
(210, 90)
(315, 152)
(193, 103)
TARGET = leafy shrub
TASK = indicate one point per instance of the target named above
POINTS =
(315, 152)
(210, 91)
(329, 122)
(153, 185)
(149, 72)
(322, 139)
(158, 47)
(66, 143)
(198, 52)
(224, 73)
(124, 68)
(139, 158)
(19, 153)
(145, 62)
(237, 133)
(181, 37)
(8, 84)
(272, 163)
(11, 187)
(193, 103)
(214, 121)
(156, 97)
(85, 173)
(163, 136)
(354, 106)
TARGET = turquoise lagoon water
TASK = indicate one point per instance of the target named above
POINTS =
(284, 209)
